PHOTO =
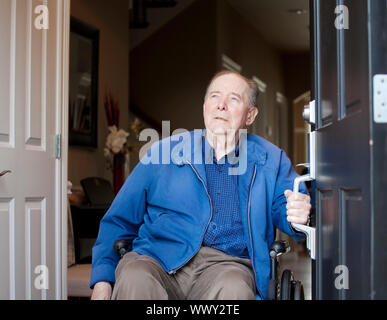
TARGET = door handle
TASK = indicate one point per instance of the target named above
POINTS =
(3, 173)
(309, 112)
(306, 165)
(310, 232)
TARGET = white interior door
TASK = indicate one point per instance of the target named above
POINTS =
(32, 105)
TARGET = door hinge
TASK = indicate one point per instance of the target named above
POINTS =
(380, 98)
(58, 146)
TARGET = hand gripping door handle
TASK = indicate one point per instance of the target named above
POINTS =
(310, 232)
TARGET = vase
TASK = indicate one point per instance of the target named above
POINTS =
(118, 171)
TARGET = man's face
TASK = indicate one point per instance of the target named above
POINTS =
(226, 105)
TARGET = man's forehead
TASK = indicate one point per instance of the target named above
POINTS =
(229, 81)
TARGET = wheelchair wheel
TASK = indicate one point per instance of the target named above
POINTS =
(298, 291)
(286, 285)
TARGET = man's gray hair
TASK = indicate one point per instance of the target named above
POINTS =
(253, 87)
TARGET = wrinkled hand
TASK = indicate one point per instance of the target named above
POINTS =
(298, 207)
(102, 291)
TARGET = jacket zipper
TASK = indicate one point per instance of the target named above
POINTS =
(251, 238)
(248, 218)
(197, 174)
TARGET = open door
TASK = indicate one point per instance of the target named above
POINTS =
(33, 157)
(350, 90)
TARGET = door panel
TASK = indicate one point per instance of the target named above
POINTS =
(343, 155)
(36, 246)
(378, 65)
(31, 78)
(329, 251)
(327, 63)
(7, 78)
(7, 243)
(354, 234)
(355, 56)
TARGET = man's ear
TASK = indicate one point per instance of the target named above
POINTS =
(252, 113)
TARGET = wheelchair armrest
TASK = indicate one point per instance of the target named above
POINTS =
(279, 247)
(122, 246)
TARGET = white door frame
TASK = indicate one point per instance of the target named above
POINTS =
(63, 43)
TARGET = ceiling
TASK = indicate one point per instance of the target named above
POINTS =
(271, 18)
(157, 17)
(284, 30)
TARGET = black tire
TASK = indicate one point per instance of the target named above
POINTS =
(286, 285)
(298, 291)
(272, 290)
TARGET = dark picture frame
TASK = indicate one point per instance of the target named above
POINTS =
(83, 84)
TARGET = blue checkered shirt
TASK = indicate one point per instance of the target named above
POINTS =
(225, 230)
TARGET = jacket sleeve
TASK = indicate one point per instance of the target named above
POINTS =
(122, 221)
(284, 181)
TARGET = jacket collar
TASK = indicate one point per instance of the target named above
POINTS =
(190, 150)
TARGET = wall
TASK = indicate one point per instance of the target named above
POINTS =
(297, 75)
(296, 66)
(171, 69)
(112, 19)
(242, 43)
(156, 18)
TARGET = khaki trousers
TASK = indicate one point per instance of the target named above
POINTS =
(209, 275)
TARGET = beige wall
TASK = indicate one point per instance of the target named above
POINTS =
(111, 18)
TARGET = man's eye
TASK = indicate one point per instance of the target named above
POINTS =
(214, 96)
(235, 99)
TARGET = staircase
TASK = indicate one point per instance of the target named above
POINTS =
(148, 16)
(138, 11)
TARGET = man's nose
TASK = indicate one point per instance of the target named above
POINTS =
(222, 105)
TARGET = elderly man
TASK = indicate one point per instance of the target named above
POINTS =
(201, 226)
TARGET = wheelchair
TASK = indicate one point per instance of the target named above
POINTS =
(284, 288)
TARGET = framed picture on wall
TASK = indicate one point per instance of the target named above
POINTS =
(83, 84)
